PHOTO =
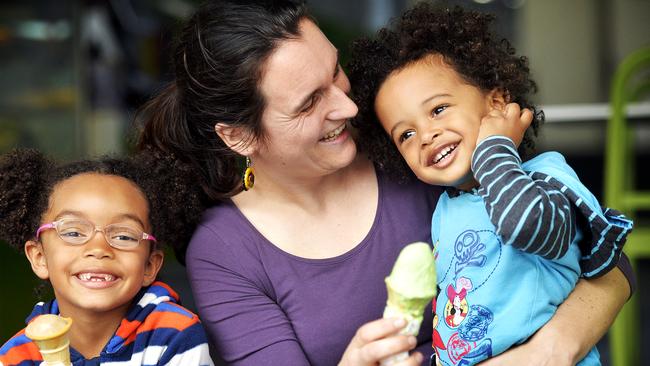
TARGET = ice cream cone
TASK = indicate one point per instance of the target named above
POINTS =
(410, 286)
(50, 333)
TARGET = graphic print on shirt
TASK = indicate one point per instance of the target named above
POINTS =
(456, 308)
(468, 269)
(436, 340)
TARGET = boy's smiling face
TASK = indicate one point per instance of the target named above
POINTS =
(95, 278)
(433, 116)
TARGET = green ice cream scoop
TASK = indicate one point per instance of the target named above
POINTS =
(412, 283)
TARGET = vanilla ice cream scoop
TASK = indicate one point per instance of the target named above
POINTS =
(50, 333)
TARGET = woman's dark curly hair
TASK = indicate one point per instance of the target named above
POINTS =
(28, 178)
(464, 41)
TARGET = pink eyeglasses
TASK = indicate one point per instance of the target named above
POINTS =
(79, 231)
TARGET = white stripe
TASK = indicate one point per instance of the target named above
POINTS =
(149, 298)
(199, 355)
(148, 356)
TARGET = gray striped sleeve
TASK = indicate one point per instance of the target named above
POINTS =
(530, 214)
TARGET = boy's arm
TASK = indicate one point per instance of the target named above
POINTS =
(528, 214)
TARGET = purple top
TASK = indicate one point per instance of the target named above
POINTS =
(263, 306)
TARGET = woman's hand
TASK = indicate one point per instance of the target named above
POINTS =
(378, 339)
(540, 350)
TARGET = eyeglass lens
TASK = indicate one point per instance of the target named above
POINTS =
(80, 231)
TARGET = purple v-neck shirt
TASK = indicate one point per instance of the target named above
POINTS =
(263, 306)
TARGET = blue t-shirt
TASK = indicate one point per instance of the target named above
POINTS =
(494, 295)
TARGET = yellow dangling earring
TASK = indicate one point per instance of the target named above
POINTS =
(249, 175)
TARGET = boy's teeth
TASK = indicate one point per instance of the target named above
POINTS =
(96, 277)
(443, 153)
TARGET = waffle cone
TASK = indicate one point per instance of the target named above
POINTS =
(50, 333)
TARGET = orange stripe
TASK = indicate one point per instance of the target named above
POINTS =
(127, 327)
(26, 351)
(166, 319)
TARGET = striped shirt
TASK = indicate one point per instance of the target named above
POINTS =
(535, 212)
(155, 331)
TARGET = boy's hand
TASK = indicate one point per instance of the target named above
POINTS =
(510, 122)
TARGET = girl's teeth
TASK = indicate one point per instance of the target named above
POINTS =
(96, 277)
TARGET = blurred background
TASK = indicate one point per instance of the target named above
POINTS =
(73, 72)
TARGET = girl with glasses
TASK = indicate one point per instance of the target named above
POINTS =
(86, 228)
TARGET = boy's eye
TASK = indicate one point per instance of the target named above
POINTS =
(439, 109)
(406, 135)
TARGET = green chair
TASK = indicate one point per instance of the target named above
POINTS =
(631, 82)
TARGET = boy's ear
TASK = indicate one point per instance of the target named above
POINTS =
(36, 257)
(498, 99)
(152, 266)
(237, 138)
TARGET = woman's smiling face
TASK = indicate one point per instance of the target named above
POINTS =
(307, 107)
(433, 116)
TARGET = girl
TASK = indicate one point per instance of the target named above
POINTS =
(443, 93)
(91, 228)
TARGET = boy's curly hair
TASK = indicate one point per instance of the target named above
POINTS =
(464, 41)
(27, 179)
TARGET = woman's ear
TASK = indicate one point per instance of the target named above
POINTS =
(152, 266)
(498, 99)
(36, 257)
(237, 138)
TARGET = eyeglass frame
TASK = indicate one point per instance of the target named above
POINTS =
(53, 225)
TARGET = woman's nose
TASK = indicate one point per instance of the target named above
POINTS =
(342, 107)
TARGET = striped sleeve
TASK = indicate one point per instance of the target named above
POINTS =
(528, 213)
(20, 351)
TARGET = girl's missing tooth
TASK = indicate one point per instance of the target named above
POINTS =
(93, 229)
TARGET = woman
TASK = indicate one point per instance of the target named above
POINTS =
(291, 270)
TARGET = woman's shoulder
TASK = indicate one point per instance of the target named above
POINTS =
(223, 233)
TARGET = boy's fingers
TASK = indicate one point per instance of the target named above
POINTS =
(526, 116)
(512, 111)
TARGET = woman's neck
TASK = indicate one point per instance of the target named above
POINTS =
(315, 219)
(306, 192)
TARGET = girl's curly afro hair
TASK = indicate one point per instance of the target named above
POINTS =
(464, 41)
(27, 179)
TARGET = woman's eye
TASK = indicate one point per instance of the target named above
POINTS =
(310, 105)
(437, 110)
(406, 135)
